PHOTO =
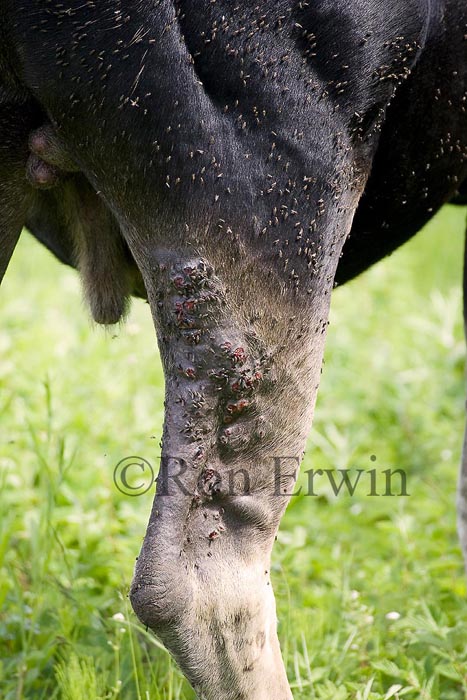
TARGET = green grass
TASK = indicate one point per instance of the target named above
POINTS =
(75, 399)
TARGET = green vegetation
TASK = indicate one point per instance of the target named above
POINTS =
(371, 591)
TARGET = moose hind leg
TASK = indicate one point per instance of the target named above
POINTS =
(16, 119)
(240, 387)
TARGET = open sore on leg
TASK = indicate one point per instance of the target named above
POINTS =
(240, 389)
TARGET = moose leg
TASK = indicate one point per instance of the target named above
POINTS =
(462, 483)
(14, 191)
(242, 366)
(10, 229)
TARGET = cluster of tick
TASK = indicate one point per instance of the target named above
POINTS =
(224, 374)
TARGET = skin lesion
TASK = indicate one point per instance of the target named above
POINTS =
(210, 356)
